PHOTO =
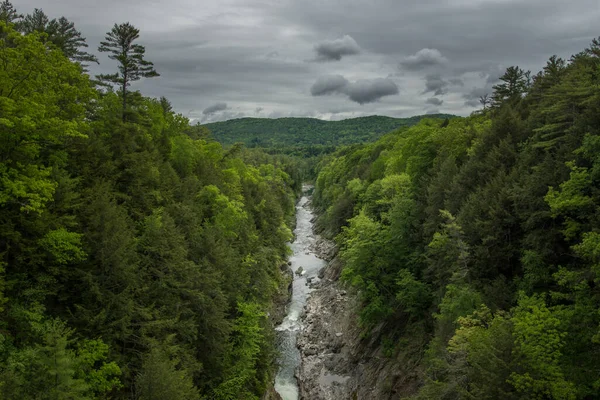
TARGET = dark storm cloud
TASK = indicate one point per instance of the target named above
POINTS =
(362, 91)
(329, 84)
(434, 101)
(436, 85)
(334, 50)
(423, 58)
(214, 108)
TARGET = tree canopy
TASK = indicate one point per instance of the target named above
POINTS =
(476, 241)
(138, 257)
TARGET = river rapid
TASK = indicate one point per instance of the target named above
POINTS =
(304, 257)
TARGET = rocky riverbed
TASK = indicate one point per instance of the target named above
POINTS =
(323, 355)
(325, 341)
(336, 362)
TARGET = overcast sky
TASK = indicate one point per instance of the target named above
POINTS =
(333, 59)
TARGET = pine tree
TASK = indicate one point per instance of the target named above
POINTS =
(8, 13)
(60, 32)
(516, 83)
(132, 65)
(64, 35)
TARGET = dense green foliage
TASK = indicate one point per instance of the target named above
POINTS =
(307, 136)
(477, 242)
(138, 259)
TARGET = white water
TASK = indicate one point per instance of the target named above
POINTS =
(287, 333)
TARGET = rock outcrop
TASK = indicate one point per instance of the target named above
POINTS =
(336, 361)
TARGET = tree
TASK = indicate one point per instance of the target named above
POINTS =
(539, 337)
(37, 108)
(8, 13)
(59, 32)
(132, 65)
(161, 379)
(64, 36)
(516, 83)
(485, 101)
(35, 22)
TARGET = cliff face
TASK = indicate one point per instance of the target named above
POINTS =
(337, 363)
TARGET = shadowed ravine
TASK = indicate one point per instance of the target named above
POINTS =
(289, 357)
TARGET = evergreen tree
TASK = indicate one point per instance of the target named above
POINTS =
(8, 13)
(119, 43)
(61, 33)
(516, 83)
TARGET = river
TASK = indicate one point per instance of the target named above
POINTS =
(303, 256)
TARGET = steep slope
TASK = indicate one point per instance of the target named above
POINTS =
(473, 247)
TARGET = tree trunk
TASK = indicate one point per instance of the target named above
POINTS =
(124, 95)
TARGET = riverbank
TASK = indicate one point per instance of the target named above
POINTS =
(305, 266)
(328, 331)
(337, 362)
(322, 353)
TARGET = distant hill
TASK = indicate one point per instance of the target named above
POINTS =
(303, 132)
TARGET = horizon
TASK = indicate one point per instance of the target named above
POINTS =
(332, 120)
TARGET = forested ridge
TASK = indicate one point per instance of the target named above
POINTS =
(306, 137)
(474, 243)
(139, 258)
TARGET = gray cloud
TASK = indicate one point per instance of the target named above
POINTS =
(253, 52)
(434, 101)
(472, 97)
(371, 90)
(423, 58)
(362, 91)
(329, 84)
(435, 84)
(214, 108)
(493, 74)
(334, 50)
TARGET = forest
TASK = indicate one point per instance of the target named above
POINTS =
(139, 259)
(140, 253)
(474, 243)
(307, 137)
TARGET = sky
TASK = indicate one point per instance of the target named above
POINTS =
(332, 59)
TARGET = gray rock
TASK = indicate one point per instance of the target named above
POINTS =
(311, 351)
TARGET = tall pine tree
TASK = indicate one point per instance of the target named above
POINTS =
(132, 65)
